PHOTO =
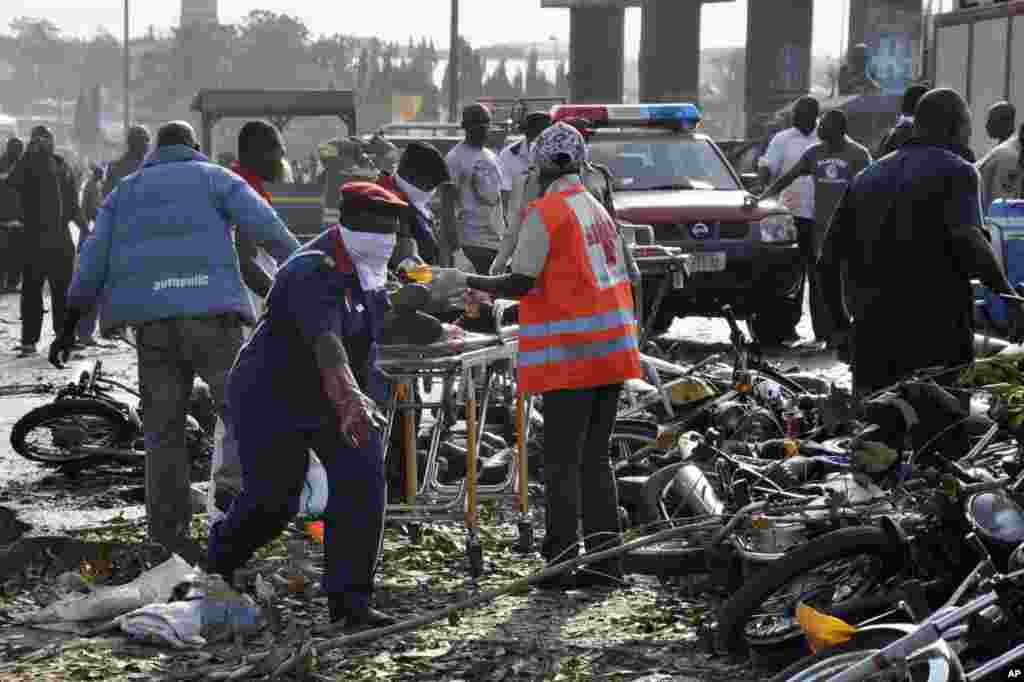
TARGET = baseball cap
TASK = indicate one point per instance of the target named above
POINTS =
(368, 196)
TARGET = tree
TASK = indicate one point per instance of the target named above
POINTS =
(335, 55)
(498, 85)
(561, 80)
(471, 72)
(728, 69)
(272, 48)
(41, 47)
(537, 83)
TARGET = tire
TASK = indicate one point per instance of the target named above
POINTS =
(824, 664)
(734, 621)
(94, 423)
(629, 436)
(775, 321)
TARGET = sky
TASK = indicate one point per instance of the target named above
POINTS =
(482, 21)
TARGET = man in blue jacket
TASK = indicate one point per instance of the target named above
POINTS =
(308, 378)
(162, 260)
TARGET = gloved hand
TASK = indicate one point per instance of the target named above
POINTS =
(60, 349)
(357, 413)
(447, 283)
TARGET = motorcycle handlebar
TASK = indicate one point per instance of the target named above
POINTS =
(734, 327)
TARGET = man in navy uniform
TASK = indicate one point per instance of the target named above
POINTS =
(308, 379)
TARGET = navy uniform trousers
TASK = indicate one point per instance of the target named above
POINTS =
(273, 472)
(276, 412)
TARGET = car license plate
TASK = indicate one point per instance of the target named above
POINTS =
(707, 262)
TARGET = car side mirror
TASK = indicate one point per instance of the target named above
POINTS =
(751, 182)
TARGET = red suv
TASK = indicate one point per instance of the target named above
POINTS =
(671, 177)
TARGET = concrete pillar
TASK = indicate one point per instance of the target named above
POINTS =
(670, 51)
(778, 58)
(596, 57)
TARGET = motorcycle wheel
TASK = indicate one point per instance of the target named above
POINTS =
(832, 661)
(629, 436)
(48, 434)
(832, 568)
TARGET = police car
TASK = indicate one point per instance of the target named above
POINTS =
(670, 176)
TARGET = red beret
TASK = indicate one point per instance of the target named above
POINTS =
(369, 195)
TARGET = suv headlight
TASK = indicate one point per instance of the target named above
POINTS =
(778, 228)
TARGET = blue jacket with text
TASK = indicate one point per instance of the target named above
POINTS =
(162, 247)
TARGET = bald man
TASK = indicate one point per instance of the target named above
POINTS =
(909, 230)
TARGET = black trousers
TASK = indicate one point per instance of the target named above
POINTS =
(578, 476)
(55, 267)
(10, 255)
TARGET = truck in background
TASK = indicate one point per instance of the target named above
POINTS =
(980, 53)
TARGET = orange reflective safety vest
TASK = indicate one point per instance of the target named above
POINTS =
(577, 328)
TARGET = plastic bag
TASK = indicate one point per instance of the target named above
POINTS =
(155, 585)
(313, 500)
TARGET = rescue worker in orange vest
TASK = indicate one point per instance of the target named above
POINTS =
(577, 346)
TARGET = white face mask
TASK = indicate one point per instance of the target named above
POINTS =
(420, 199)
(370, 252)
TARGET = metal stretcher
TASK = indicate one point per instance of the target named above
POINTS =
(454, 363)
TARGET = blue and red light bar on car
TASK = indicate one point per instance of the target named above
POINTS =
(683, 115)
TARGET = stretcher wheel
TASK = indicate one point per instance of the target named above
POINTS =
(415, 533)
(525, 544)
(475, 554)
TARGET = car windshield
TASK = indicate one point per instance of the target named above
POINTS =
(661, 161)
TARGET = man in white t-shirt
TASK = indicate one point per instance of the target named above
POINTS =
(514, 159)
(785, 151)
(473, 201)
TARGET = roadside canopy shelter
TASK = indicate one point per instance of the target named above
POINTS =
(277, 106)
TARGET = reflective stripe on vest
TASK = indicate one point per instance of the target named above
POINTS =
(577, 327)
(589, 351)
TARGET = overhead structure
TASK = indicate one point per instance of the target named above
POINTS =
(778, 54)
(277, 106)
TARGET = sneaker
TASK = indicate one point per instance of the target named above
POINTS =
(367, 618)
(87, 342)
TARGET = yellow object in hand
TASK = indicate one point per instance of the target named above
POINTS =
(823, 631)
(421, 274)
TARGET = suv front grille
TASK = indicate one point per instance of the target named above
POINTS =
(681, 231)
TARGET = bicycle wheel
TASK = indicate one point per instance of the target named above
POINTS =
(835, 567)
(49, 434)
(926, 666)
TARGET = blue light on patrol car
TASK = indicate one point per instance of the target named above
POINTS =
(684, 115)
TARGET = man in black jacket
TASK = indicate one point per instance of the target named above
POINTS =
(49, 201)
(901, 132)
(909, 233)
(131, 161)
(10, 220)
